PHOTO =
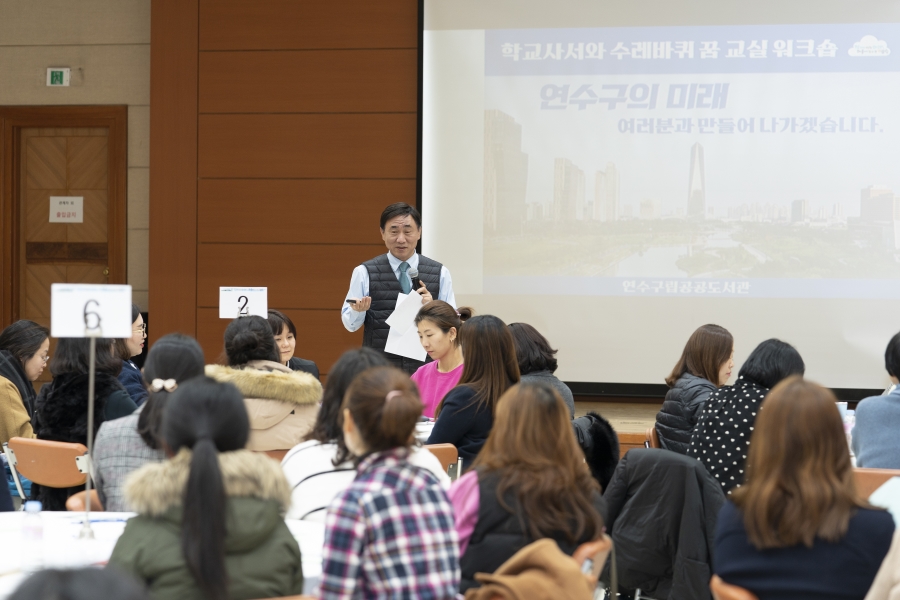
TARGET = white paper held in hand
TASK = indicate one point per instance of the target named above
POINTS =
(86, 310)
(405, 312)
(403, 340)
(237, 302)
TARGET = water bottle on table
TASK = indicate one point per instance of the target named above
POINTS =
(32, 537)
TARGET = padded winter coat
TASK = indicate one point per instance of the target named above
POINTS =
(262, 558)
(681, 410)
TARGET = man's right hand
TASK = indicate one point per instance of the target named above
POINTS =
(362, 305)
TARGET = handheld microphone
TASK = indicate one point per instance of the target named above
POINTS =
(414, 278)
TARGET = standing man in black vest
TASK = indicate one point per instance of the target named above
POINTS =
(375, 283)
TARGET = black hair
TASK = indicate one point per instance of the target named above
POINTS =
(329, 427)
(207, 417)
(80, 584)
(891, 356)
(533, 351)
(174, 356)
(23, 339)
(400, 209)
(770, 362)
(278, 320)
(250, 338)
(72, 355)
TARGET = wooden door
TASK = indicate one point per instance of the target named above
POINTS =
(59, 151)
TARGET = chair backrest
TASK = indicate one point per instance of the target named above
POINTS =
(652, 438)
(276, 454)
(51, 464)
(445, 453)
(869, 480)
(76, 502)
(725, 591)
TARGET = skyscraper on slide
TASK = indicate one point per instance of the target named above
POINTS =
(696, 208)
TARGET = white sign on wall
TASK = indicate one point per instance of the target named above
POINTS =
(86, 310)
(237, 302)
(67, 209)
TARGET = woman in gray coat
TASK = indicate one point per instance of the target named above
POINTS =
(537, 361)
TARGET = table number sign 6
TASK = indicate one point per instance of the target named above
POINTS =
(242, 302)
(83, 310)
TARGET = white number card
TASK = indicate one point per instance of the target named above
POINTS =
(84, 310)
(237, 302)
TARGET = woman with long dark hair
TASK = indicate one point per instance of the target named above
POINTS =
(128, 348)
(466, 414)
(797, 529)
(282, 403)
(529, 482)
(179, 544)
(321, 466)
(704, 366)
(390, 533)
(61, 408)
(722, 435)
(23, 354)
(126, 444)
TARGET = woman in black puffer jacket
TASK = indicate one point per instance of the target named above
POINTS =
(61, 407)
(705, 364)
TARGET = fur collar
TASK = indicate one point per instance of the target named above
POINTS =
(267, 383)
(156, 487)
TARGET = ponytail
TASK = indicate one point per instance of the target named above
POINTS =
(208, 418)
(385, 407)
(203, 522)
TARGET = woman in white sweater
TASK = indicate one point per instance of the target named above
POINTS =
(320, 467)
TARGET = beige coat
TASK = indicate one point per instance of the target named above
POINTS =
(887, 582)
(282, 404)
(14, 420)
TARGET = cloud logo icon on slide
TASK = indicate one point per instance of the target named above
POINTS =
(869, 45)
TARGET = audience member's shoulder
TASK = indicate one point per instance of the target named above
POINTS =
(874, 520)
(730, 518)
(459, 394)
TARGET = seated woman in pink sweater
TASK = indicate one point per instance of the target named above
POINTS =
(438, 325)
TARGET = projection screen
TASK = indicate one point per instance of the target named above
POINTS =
(618, 174)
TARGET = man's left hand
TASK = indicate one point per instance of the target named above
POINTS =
(423, 291)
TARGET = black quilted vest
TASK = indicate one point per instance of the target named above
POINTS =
(383, 289)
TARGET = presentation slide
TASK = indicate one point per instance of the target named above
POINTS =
(601, 181)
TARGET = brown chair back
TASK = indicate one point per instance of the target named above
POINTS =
(445, 453)
(276, 454)
(652, 438)
(869, 480)
(724, 591)
(51, 464)
(76, 502)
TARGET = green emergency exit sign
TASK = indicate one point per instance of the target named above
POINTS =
(58, 76)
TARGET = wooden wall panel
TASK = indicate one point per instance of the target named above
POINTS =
(317, 337)
(308, 81)
(311, 211)
(299, 24)
(297, 275)
(321, 146)
(173, 161)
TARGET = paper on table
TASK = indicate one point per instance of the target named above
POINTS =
(405, 311)
(888, 496)
(403, 339)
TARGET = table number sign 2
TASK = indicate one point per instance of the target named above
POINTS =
(237, 302)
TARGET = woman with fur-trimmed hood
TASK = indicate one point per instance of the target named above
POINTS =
(210, 521)
(282, 404)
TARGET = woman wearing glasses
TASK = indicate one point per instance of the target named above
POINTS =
(130, 376)
(23, 355)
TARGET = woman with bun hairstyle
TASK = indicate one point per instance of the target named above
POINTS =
(23, 355)
(466, 414)
(439, 324)
(529, 482)
(124, 445)
(210, 519)
(391, 533)
(282, 403)
(705, 365)
(797, 529)
(320, 467)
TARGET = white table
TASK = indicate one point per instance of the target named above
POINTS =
(62, 548)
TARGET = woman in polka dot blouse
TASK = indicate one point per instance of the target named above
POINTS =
(722, 436)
